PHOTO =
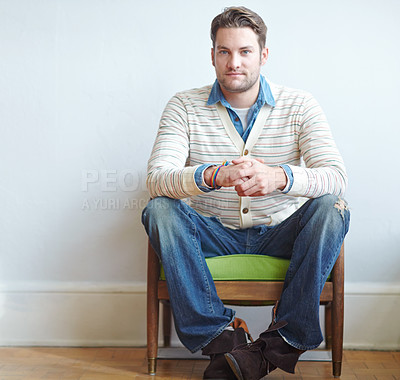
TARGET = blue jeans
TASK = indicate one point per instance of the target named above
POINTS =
(311, 238)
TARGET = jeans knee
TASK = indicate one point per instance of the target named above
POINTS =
(331, 206)
(326, 201)
(159, 209)
(329, 201)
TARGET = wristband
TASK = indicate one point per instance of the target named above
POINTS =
(215, 173)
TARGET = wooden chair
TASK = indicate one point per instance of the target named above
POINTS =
(255, 292)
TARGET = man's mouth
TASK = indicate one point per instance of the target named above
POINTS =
(234, 74)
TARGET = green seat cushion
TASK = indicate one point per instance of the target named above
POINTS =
(246, 267)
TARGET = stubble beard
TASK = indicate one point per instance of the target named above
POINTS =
(244, 85)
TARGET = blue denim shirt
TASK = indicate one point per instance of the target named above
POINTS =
(264, 97)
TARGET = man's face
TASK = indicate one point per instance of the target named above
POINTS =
(237, 59)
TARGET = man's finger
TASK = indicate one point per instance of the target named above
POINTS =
(241, 160)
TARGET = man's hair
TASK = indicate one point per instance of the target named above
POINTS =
(240, 17)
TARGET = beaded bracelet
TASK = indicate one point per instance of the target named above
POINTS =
(215, 173)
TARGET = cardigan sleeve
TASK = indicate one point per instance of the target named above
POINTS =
(167, 173)
(324, 171)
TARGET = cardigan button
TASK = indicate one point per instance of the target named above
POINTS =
(245, 210)
(246, 152)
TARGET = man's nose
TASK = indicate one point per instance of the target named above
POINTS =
(234, 62)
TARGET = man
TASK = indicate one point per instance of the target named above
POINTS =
(250, 204)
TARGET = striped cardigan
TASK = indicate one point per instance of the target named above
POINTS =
(294, 132)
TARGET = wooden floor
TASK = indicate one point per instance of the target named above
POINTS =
(130, 363)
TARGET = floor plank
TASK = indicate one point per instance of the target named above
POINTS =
(59, 363)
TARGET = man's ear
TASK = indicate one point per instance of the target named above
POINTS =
(264, 56)
(212, 57)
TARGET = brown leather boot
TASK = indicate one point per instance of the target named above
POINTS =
(254, 361)
(219, 369)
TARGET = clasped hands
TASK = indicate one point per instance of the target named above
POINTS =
(250, 177)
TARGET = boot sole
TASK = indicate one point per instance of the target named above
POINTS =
(234, 366)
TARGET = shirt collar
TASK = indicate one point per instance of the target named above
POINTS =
(264, 95)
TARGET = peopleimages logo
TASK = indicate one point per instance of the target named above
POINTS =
(112, 180)
(112, 189)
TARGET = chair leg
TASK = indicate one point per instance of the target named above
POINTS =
(328, 326)
(167, 323)
(338, 314)
(152, 309)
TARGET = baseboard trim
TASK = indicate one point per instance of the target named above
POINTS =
(72, 343)
(94, 314)
(183, 353)
(74, 287)
(372, 288)
(353, 288)
(370, 347)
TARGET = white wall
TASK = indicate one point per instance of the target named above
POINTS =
(82, 87)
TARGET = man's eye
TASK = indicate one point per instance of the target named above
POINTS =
(223, 52)
(245, 52)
